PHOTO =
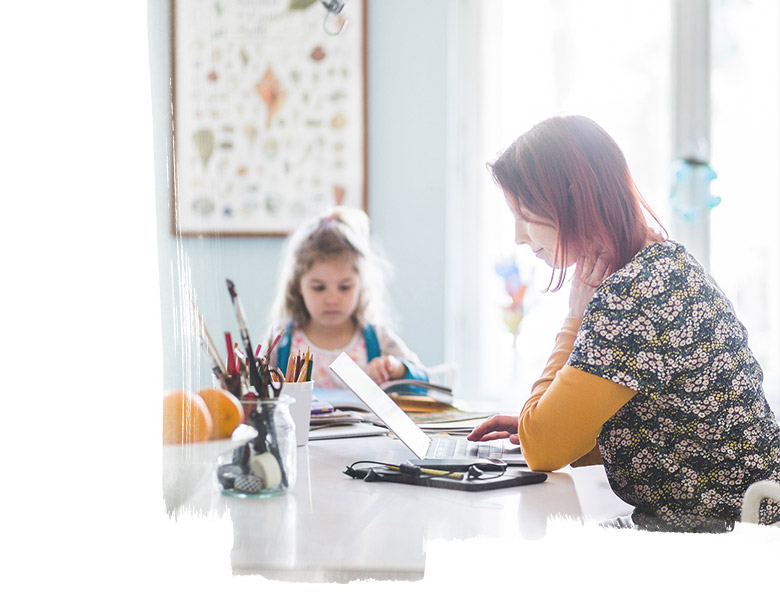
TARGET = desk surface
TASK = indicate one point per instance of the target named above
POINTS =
(331, 527)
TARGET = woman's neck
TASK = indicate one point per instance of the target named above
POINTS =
(330, 337)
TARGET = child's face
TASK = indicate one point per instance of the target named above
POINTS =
(331, 291)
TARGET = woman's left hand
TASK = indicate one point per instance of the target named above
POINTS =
(384, 368)
(590, 272)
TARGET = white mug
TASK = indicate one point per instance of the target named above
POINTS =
(300, 408)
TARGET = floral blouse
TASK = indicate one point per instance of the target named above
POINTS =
(699, 431)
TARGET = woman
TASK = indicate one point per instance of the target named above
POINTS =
(651, 374)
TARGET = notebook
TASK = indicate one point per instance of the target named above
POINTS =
(422, 446)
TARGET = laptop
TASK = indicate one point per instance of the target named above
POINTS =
(436, 452)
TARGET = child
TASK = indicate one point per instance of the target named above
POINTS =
(331, 300)
(651, 374)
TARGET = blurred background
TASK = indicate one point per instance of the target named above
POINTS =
(450, 83)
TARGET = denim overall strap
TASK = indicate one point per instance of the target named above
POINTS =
(372, 343)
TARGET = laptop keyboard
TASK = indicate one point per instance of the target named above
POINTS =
(448, 447)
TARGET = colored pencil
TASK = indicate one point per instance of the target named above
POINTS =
(304, 369)
(273, 345)
(290, 368)
(231, 358)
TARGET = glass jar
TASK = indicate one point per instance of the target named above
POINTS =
(266, 466)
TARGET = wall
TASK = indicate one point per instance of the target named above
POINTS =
(407, 107)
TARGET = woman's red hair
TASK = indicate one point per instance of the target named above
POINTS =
(569, 172)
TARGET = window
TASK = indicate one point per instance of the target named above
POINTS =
(612, 61)
(744, 240)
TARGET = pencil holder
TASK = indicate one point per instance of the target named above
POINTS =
(300, 408)
(266, 466)
(250, 404)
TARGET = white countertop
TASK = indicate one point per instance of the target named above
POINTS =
(331, 527)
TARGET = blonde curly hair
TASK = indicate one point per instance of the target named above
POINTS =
(340, 232)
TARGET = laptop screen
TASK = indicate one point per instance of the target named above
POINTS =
(383, 406)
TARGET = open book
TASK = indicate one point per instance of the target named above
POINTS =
(396, 384)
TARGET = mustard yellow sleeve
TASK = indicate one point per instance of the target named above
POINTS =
(567, 409)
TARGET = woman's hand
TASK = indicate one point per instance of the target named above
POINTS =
(590, 272)
(384, 368)
(496, 428)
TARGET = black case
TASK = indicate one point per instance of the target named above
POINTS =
(513, 479)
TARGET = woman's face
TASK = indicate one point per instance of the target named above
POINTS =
(542, 238)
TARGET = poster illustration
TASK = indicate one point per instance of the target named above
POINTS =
(268, 113)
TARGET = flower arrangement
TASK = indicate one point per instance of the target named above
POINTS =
(512, 311)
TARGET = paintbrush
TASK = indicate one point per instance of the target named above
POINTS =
(254, 374)
(217, 366)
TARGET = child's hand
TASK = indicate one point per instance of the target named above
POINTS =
(383, 368)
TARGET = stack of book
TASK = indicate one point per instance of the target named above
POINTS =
(339, 413)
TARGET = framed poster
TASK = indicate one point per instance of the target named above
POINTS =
(268, 114)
